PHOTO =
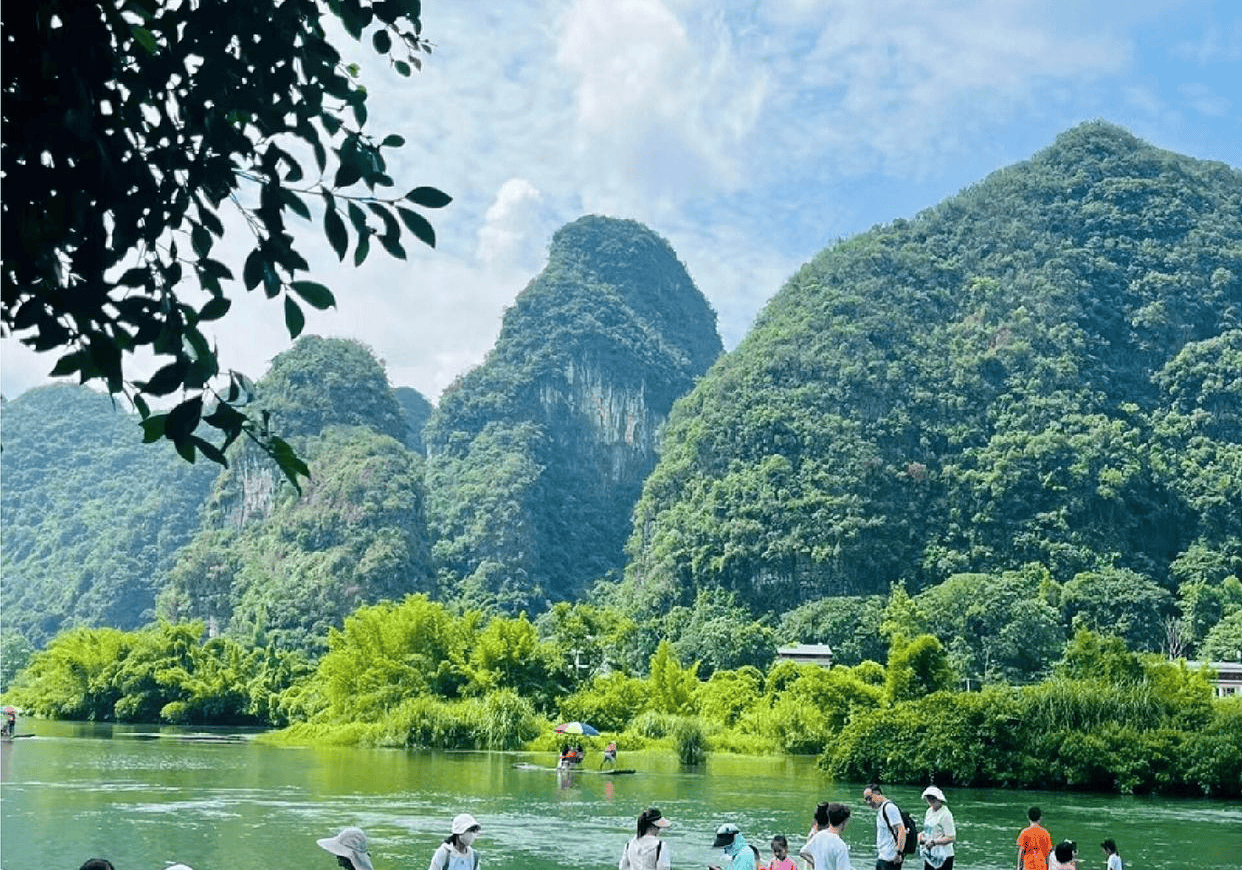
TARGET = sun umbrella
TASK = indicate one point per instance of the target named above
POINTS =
(11, 709)
(576, 728)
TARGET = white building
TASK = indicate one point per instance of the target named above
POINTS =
(807, 654)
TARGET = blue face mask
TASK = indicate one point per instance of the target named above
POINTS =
(733, 848)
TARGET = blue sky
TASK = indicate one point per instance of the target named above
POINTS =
(749, 135)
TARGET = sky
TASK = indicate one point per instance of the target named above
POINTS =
(750, 135)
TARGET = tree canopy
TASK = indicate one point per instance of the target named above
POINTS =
(133, 130)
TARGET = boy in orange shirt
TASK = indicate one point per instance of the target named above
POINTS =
(1034, 843)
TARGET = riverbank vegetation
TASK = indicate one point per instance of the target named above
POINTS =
(415, 674)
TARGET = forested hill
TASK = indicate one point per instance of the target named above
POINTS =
(269, 565)
(535, 458)
(1046, 368)
(91, 516)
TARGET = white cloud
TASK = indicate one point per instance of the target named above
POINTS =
(511, 223)
(749, 135)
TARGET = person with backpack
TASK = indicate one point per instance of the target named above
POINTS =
(457, 850)
(895, 835)
(645, 851)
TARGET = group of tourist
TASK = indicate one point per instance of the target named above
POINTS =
(895, 839)
(824, 848)
(1036, 852)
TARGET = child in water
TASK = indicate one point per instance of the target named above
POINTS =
(780, 855)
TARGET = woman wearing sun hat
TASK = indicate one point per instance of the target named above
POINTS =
(350, 849)
(646, 851)
(457, 850)
(939, 832)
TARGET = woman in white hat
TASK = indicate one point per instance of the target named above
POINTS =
(457, 850)
(350, 849)
(939, 832)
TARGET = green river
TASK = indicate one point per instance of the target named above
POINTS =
(144, 797)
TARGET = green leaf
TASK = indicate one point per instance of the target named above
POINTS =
(67, 364)
(215, 309)
(358, 218)
(295, 320)
(382, 41)
(288, 460)
(334, 229)
(167, 379)
(183, 419)
(402, 68)
(271, 282)
(317, 295)
(392, 140)
(210, 451)
(252, 272)
(393, 246)
(145, 39)
(185, 447)
(429, 197)
(135, 277)
(153, 428)
(200, 240)
(141, 404)
(418, 225)
(295, 203)
(363, 248)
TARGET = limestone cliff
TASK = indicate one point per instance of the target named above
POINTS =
(537, 457)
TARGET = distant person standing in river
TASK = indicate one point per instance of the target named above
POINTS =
(1034, 843)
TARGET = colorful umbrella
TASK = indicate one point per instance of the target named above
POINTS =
(576, 728)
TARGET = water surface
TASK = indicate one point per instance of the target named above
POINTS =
(83, 790)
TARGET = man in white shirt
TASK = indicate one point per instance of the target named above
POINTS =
(825, 850)
(890, 830)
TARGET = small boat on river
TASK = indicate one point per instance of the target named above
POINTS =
(578, 768)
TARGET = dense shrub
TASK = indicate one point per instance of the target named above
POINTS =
(690, 742)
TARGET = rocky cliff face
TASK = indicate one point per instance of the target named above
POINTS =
(616, 420)
(537, 457)
(271, 565)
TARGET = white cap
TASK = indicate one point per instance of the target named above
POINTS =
(463, 823)
(932, 792)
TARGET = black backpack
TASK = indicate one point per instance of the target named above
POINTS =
(907, 822)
